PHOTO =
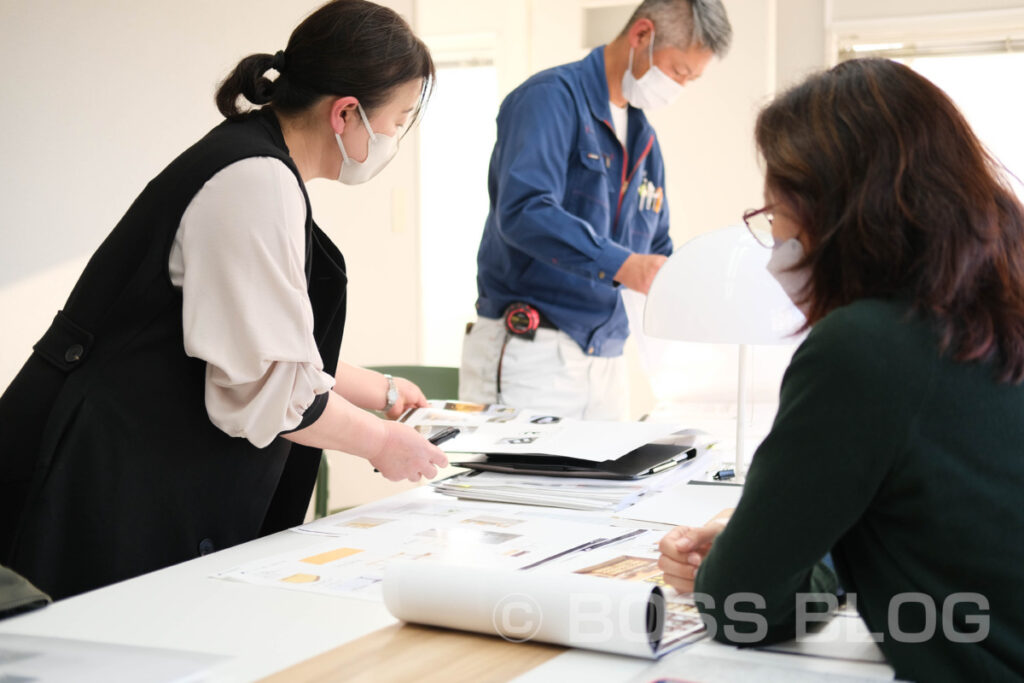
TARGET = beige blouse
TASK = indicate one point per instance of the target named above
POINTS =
(239, 259)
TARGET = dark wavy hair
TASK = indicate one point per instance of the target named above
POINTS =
(899, 198)
(346, 48)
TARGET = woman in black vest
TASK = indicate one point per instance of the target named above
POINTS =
(179, 401)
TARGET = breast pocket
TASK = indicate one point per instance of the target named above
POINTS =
(586, 190)
(592, 160)
(645, 215)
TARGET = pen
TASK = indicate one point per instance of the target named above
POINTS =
(667, 465)
(584, 547)
(618, 539)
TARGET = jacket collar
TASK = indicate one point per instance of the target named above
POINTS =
(595, 87)
(595, 84)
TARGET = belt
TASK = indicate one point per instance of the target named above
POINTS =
(545, 322)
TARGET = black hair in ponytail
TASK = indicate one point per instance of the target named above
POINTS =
(248, 80)
(347, 48)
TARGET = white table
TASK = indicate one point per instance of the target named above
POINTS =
(265, 630)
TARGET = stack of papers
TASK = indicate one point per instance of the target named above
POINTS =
(564, 492)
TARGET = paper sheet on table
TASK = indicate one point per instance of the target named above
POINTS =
(576, 610)
(845, 636)
(497, 429)
(708, 661)
(685, 504)
(359, 544)
(564, 492)
(36, 659)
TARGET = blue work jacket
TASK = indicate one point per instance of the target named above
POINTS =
(569, 204)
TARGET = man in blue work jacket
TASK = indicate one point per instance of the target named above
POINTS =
(578, 209)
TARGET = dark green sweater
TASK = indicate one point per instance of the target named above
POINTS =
(909, 467)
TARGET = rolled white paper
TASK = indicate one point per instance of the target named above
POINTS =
(592, 612)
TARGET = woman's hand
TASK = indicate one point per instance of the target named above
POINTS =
(685, 547)
(406, 454)
(409, 396)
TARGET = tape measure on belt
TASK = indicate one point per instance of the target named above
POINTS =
(523, 320)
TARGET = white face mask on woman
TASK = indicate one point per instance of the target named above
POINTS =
(653, 90)
(381, 149)
(784, 256)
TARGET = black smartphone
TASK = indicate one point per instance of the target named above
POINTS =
(444, 435)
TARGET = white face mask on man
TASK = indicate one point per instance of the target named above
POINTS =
(785, 255)
(381, 149)
(654, 89)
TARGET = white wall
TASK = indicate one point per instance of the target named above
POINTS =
(800, 45)
(100, 95)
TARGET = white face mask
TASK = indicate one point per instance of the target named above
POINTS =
(381, 150)
(784, 256)
(653, 90)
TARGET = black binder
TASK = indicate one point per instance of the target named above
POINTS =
(643, 461)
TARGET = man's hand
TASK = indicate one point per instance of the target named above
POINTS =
(684, 548)
(409, 396)
(638, 271)
(406, 454)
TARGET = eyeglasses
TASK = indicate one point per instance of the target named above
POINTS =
(759, 223)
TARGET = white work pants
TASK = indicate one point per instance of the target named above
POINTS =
(551, 373)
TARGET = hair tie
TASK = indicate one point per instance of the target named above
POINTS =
(278, 63)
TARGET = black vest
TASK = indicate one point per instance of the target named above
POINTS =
(109, 464)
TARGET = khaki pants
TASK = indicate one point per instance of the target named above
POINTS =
(551, 373)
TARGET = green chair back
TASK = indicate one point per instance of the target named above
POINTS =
(437, 382)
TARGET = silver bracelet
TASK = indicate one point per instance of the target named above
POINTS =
(390, 398)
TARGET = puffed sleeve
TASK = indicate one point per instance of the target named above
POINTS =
(239, 259)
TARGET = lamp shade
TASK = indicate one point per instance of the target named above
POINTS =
(715, 289)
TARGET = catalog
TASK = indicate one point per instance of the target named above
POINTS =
(613, 600)
(498, 429)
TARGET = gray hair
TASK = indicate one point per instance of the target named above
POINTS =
(681, 23)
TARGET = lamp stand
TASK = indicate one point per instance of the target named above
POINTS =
(741, 411)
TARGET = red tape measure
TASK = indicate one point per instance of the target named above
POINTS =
(522, 320)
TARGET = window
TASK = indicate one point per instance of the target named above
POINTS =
(982, 78)
(457, 135)
(977, 57)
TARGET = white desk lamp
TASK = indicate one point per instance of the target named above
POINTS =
(715, 289)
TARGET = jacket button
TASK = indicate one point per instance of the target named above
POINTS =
(206, 546)
(74, 353)
(591, 350)
(600, 275)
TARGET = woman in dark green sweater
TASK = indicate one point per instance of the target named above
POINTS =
(899, 441)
